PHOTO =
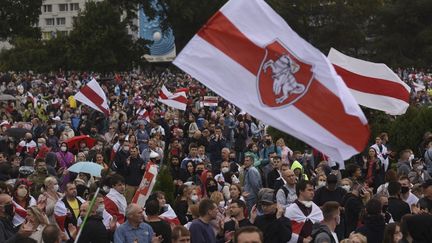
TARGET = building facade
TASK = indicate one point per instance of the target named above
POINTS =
(57, 16)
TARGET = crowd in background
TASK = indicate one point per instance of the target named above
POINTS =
(233, 182)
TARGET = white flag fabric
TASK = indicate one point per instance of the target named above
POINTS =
(176, 100)
(373, 85)
(92, 95)
(145, 188)
(248, 54)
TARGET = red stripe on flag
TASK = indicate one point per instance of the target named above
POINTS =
(319, 103)
(225, 36)
(94, 97)
(180, 98)
(372, 85)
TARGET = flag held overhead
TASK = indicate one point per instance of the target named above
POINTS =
(373, 85)
(93, 95)
(249, 55)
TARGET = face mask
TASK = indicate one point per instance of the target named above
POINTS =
(194, 198)
(22, 192)
(212, 188)
(225, 170)
(321, 184)
(125, 148)
(346, 187)
(106, 189)
(268, 142)
(404, 189)
(308, 204)
(100, 209)
(411, 157)
(56, 187)
(338, 220)
(222, 204)
(199, 172)
(9, 210)
(420, 167)
(63, 149)
(40, 145)
(28, 140)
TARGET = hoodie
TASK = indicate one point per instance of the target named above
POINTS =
(297, 165)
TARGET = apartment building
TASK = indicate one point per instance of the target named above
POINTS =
(57, 16)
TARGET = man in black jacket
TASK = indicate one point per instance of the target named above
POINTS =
(396, 206)
(94, 229)
(274, 225)
(374, 222)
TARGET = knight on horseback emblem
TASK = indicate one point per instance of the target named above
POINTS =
(283, 78)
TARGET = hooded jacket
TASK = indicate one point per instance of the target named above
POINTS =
(297, 165)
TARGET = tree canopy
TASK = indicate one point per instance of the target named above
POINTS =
(18, 18)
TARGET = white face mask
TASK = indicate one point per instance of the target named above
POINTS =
(225, 170)
(56, 187)
(100, 209)
(420, 167)
(125, 148)
(346, 187)
(22, 192)
(222, 204)
(411, 157)
(321, 184)
(63, 149)
(194, 198)
(106, 189)
(308, 204)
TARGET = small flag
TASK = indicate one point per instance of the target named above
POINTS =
(93, 95)
(176, 100)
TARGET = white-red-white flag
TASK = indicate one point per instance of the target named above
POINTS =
(210, 101)
(373, 85)
(92, 95)
(146, 186)
(177, 100)
(249, 55)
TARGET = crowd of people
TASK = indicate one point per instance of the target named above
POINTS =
(232, 181)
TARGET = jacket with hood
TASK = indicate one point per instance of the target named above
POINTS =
(297, 165)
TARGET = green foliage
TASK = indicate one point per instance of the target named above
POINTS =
(164, 182)
(100, 41)
(405, 131)
(405, 34)
(18, 18)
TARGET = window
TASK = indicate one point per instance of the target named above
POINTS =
(74, 6)
(49, 21)
(46, 35)
(47, 8)
(61, 21)
(63, 7)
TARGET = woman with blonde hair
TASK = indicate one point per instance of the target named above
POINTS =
(49, 197)
(39, 221)
(286, 153)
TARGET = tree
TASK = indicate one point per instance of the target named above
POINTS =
(405, 33)
(18, 18)
(100, 40)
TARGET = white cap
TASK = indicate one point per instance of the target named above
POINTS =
(153, 155)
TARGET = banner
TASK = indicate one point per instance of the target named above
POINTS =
(146, 186)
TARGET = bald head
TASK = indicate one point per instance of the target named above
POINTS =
(85, 207)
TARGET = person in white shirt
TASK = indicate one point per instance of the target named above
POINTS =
(406, 194)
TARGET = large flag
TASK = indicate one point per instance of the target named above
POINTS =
(373, 85)
(146, 186)
(249, 55)
(92, 95)
(177, 100)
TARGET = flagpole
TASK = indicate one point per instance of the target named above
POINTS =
(87, 215)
